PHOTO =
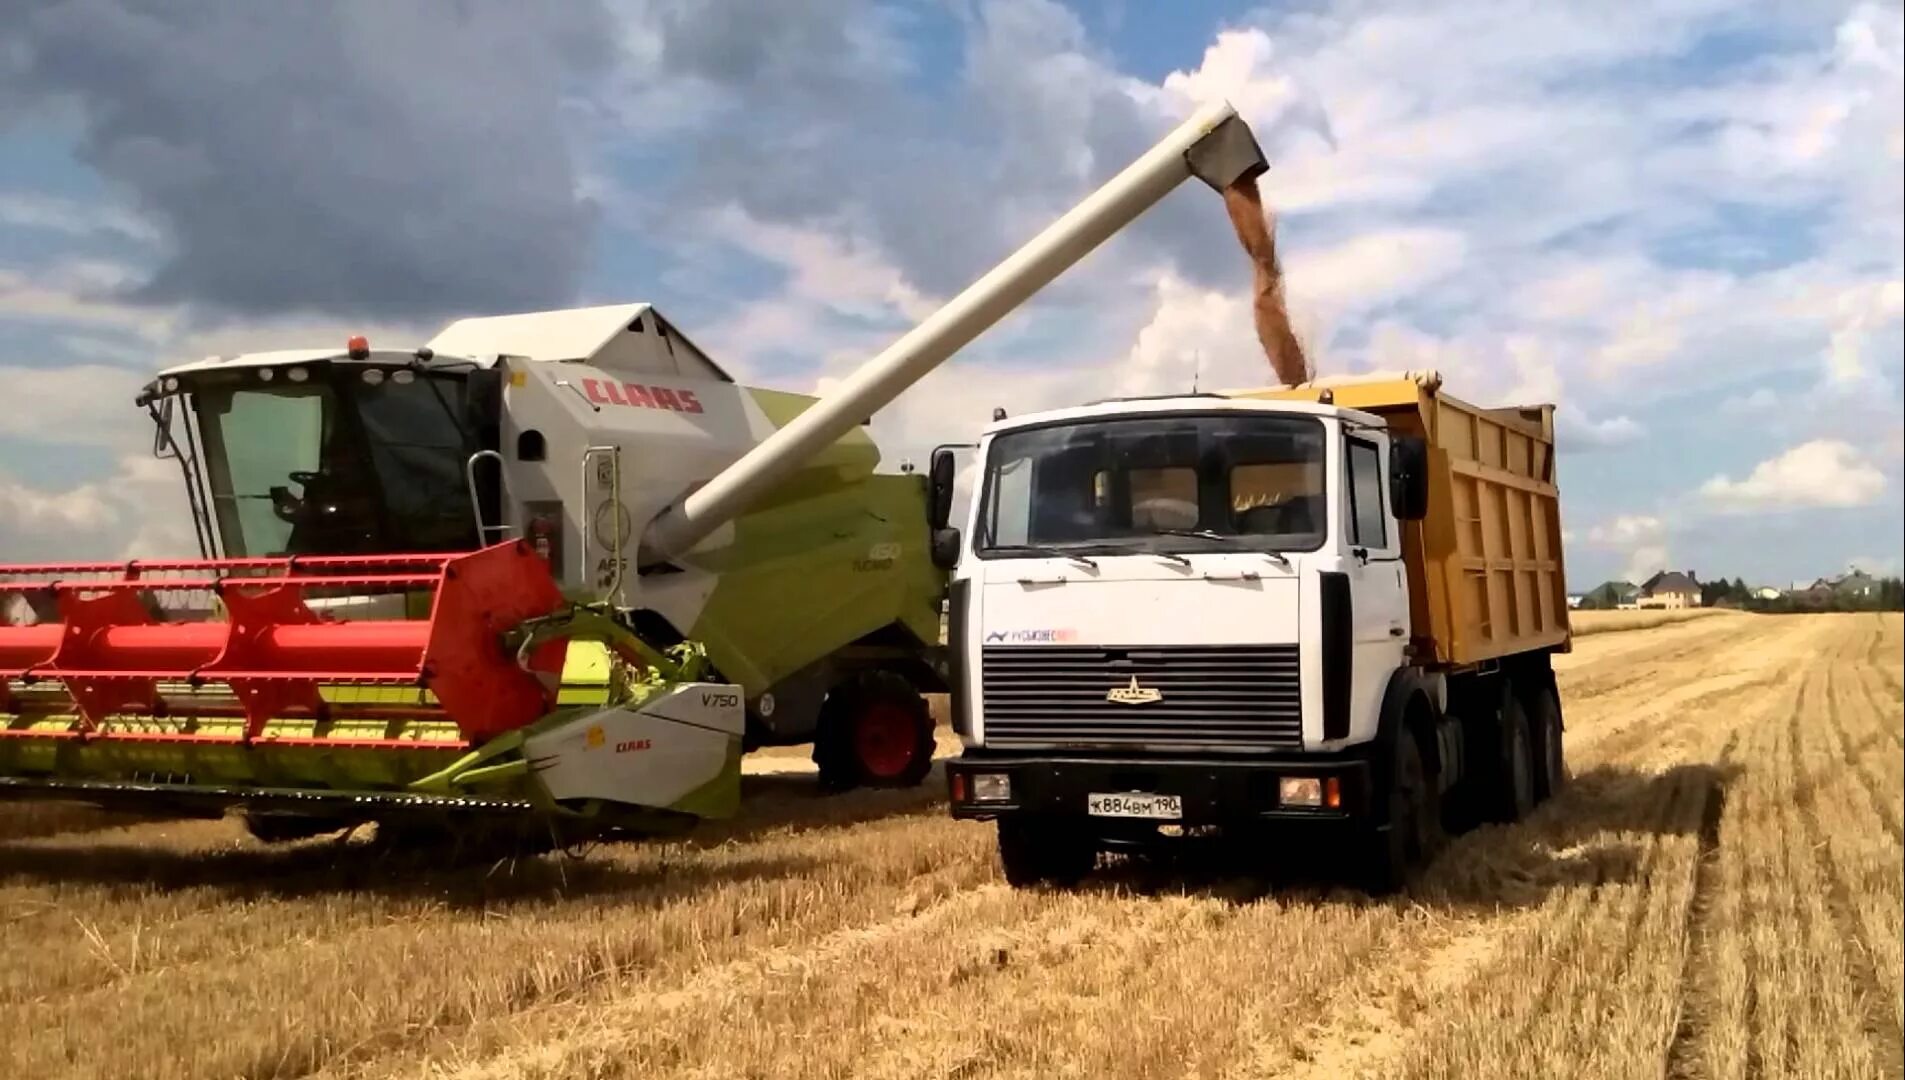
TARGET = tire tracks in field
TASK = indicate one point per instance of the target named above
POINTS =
(1856, 763)
(1379, 1039)
(1839, 903)
(1696, 969)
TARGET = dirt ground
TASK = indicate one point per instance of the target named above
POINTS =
(1717, 894)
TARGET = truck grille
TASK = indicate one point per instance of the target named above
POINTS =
(1239, 697)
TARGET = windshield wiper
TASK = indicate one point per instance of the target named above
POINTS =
(1048, 552)
(1231, 541)
(1133, 549)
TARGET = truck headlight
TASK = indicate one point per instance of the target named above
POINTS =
(1324, 792)
(991, 787)
(1300, 791)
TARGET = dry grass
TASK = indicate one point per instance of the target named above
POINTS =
(1718, 894)
(27, 819)
(1589, 623)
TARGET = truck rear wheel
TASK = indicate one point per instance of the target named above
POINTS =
(1551, 775)
(1415, 823)
(1043, 853)
(1513, 796)
(875, 731)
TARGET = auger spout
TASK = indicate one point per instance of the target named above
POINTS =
(1214, 145)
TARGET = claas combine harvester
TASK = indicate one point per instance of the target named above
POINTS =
(554, 572)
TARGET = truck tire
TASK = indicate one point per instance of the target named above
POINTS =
(1035, 853)
(1415, 824)
(1551, 772)
(1512, 794)
(874, 731)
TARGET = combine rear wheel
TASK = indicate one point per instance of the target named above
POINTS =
(875, 731)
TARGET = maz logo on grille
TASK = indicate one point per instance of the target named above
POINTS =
(1133, 694)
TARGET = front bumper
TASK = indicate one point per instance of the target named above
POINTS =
(1214, 791)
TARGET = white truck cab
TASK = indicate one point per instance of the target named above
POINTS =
(1197, 610)
(1177, 527)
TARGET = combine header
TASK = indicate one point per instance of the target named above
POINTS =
(556, 568)
(287, 711)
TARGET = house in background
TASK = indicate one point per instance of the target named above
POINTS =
(1612, 595)
(1670, 589)
(1857, 585)
(1765, 592)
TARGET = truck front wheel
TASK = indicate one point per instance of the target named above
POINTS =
(875, 731)
(1043, 853)
(1415, 823)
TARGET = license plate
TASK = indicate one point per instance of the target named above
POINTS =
(1138, 804)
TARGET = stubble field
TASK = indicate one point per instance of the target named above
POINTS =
(1717, 894)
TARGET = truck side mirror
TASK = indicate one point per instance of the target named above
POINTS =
(1409, 477)
(944, 470)
(946, 544)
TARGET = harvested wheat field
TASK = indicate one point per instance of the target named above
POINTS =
(1718, 894)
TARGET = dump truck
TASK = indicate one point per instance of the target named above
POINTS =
(1321, 611)
(549, 572)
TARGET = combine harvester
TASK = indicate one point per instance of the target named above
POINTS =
(553, 572)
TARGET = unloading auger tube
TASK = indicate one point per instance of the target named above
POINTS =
(1214, 145)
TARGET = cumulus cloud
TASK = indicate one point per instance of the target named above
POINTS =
(349, 157)
(138, 510)
(1876, 565)
(1644, 562)
(1640, 542)
(1504, 201)
(79, 405)
(1820, 473)
(1627, 530)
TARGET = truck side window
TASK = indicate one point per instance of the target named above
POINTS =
(1007, 519)
(1367, 523)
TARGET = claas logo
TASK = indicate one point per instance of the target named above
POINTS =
(594, 736)
(609, 392)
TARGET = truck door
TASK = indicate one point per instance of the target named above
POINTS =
(1379, 597)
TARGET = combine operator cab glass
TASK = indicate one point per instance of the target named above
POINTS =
(1173, 483)
(346, 461)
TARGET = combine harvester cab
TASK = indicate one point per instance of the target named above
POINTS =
(556, 566)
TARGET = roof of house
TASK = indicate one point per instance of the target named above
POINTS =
(1670, 581)
(1614, 588)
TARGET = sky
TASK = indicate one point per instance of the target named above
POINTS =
(1682, 222)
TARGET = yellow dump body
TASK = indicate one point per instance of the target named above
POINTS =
(1485, 566)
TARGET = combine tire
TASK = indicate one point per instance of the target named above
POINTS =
(1036, 853)
(1415, 824)
(875, 731)
(1551, 774)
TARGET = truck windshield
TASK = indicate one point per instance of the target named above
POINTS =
(351, 461)
(1156, 482)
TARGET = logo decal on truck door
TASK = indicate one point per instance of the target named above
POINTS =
(1133, 694)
